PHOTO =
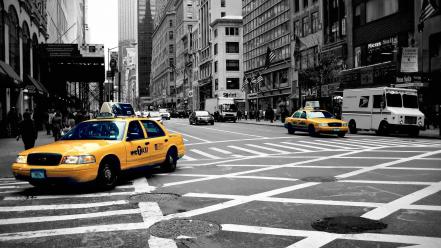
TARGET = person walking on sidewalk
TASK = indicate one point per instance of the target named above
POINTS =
(57, 125)
(27, 131)
(270, 114)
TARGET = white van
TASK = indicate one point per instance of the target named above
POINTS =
(383, 110)
(117, 108)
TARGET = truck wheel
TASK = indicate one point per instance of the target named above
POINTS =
(383, 129)
(170, 162)
(107, 175)
(311, 131)
(352, 127)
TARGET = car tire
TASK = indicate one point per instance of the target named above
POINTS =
(383, 129)
(291, 130)
(341, 135)
(107, 175)
(39, 184)
(352, 127)
(311, 131)
(170, 162)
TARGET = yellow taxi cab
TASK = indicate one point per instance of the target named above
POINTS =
(315, 121)
(99, 150)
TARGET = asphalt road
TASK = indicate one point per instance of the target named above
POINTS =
(244, 186)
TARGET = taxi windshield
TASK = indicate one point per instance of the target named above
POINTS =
(320, 114)
(97, 130)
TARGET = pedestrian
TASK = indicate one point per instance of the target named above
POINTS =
(27, 131)
(70, 120)
(246, 115)
(284, 113)
(239, 115)
(50, 118)
(270, 114)
(57, 125)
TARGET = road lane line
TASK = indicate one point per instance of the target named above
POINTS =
(14, 187)
(188, 158)
(71, 231)
(238, 140)
(340, 144)
(221, 151)
(385, 182)
(45, 197)
(25, 220)
(14, 183)
(322, 144)
(226, 131)
(268, 149)
(61, 206)
(307, 146)
(248, 150)
(191, 136)
(288, 147)
(204, 154)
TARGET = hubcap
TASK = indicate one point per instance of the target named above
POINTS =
(108, 174)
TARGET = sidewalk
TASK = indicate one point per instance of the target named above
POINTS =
(10, 147)
(429, 133)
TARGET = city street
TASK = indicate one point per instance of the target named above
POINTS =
(243, 185)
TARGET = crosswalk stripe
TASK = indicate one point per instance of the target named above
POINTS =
(188, 158)
(268, 149)
(11, 187)
(248, 150)
(204, 154)
(24, 220)
(339, 143)
(307, 146)
(321, 144)
(221, 151)
(45, 197)
(355, 143)
(61, 206)
(14, 183)
(287, 147)
(376, 143)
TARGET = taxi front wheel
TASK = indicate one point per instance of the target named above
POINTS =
(107, 175)
(170, 162)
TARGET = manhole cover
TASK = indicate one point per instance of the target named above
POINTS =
(319, 179)
(183, 227)
(153, 197)
(347, 224)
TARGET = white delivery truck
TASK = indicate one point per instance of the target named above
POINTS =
(223, 109)
(383, 110)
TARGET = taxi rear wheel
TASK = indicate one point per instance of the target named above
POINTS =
(311, 131)
(291, 130)
(170, 162)
(107, 175)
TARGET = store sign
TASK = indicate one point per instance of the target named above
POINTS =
(390, 41)
(409, 59)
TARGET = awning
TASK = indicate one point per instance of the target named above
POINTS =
(34, 85)
(11, 78)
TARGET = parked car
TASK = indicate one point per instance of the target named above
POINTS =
(165, 114)
(199, 117)
(154, 115)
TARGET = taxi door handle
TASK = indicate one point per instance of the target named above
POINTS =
(147, 143)
(166, 140)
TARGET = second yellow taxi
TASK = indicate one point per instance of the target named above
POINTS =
(315, 121)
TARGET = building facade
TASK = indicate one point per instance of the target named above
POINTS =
(66, 20)
(163, 83)
(145, 33)
(266, 24)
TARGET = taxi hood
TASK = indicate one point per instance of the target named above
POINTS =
(71, 147)
(405, 111)
(326, 120)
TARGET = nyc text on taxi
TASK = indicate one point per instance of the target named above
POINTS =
(315, 121)
(98, 150)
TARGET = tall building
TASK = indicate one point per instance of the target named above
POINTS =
(163, 83)
(218, 13)
(66, 20)
(135, 27)
(266, 25)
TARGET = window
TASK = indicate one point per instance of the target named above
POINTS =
(232, 47)
(2, 37)
(378, 99)
(232, 65)
(314, 20)
(135, 131)
(410, 101)
(305, 4)
(216, 84)
(152, 129)
(376, 9)
(364, 102)
(171, 62)
(222, 14)
(222, 3)
(305, 28)
(357, 15)
(297, 114)
(297, 31)
(14, 44)
(215, 33)
(231, 31)
(215, 66)
(303, 115)
(215, 49)
(296, 5)
(26, 50)
(171, 49)
(170, 35)
(394, 100)
(233, 83)
(170, 23)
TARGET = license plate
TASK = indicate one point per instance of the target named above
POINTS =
(336, 129)
(38, 174)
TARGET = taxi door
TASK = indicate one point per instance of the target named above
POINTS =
(302, 123)
(295, 119)
(136, 145)
(157, 140)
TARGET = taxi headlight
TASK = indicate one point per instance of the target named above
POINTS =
(21, 159)
(83, 159)
(344, 124)
(323, 124)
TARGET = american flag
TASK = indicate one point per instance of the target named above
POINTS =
(253, 81)
(245, 83)
(270, 56)
(427, 10)
(259, 79)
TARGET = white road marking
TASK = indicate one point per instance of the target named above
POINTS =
(191, 136)
(45, 197)
(322, 144)
(319, 239)
(344, 143)
(288, 147)
(221, 151)
(187, 158)
(241, 177)
(61, 206)
(204, 154)
(268, 149)
(142, 186)
(226, 131)
(385, 182)
(7, 179)
(71, 231)
(186, 140)
(67, 217)
(14, 183)
(248, 150)
(297, 166)
(314, 148)
(13, 187)
(239, 140)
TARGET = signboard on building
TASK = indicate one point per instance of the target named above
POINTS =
(92, 50)
(409, 59)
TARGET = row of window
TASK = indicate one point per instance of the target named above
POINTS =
(230, 31)
(284, 40)
(230, 47)
(305, 4)
(282, 53)
(268, 38)
(309, 25)
(267, 27)
(264, 17)
(232, 84)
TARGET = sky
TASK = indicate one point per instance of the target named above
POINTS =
(102, 19)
